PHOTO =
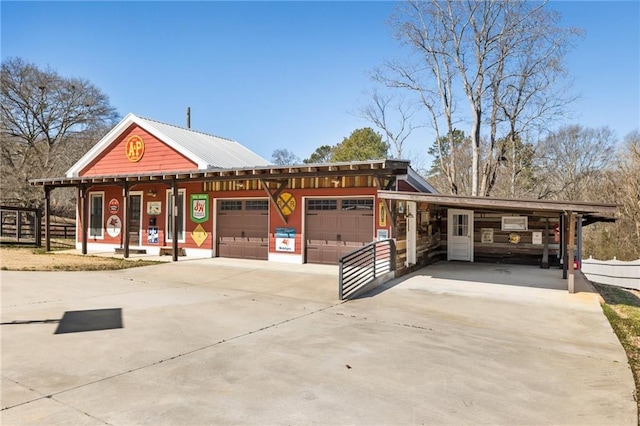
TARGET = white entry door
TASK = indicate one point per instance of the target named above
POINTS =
(460, 235)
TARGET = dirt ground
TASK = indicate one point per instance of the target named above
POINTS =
(31, 259)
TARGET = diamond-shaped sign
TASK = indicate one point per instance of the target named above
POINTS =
(199, 235)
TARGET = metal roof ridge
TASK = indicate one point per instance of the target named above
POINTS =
(188, 129)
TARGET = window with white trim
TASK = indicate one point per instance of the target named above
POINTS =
(181, 215)
(96, 215)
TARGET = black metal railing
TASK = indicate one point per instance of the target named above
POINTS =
(364, 267)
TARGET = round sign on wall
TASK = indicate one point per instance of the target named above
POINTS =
(114, 206)
(134, 148)
(114, 226)
(286, 203)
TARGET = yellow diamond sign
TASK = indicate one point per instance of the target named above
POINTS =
(199, 235)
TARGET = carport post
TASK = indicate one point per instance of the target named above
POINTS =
(545, 251)
(572, 237)
(174, 243)
(579, 240)
(84, 213)
(47, 218)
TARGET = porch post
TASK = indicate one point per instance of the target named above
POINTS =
(174, 243)
(572, 235)
(47, 218)
(127, 215)
(563, 245)
(545, 250)
(579, 239)
(84, 213)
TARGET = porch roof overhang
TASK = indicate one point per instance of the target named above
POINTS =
(592, 212)
(360, 168)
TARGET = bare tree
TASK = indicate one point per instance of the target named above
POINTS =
(393, 117)
(572, 159)
(48, 121)
(284, 157)
(481, 50)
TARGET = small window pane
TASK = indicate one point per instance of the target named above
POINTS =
(322, 205)
(230, 205)
(256, 205)
(95, 221)
(357, 204)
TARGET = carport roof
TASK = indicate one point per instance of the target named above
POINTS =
(271, 172)
(597, 211)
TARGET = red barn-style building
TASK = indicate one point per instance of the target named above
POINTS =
(161, 189)
(145, 176)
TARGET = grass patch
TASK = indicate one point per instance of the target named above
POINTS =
(37, 259)
(622, 309)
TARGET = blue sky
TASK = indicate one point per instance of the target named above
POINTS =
(284, 74)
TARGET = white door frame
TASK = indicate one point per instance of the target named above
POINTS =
(453, 241)
(412, 212)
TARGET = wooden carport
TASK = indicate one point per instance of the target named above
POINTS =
(573, 215)
(272, 179)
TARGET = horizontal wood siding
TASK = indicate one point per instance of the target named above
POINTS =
(158, 157)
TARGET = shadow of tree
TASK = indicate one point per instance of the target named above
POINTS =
(613, 295)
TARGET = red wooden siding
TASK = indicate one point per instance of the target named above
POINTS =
(158, 157)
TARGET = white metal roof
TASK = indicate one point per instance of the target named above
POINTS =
(207, 151)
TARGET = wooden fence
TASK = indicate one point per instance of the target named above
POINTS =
(20, 226)
(613, 272)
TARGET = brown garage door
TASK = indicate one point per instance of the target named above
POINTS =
(243, 229)
(335, 227)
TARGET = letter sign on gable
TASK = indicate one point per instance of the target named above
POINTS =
(134, 148)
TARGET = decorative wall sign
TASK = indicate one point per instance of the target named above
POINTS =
(286, 203)
(152, 235)
(536, 237)
(114, 226)
(382, 214)
(383, 234)
(514, 223)
(154, 208)
(114, 206)
(285, 239)
(199, 207)
(134, 148)
(199, 235)
(486, 235)
(514, 238)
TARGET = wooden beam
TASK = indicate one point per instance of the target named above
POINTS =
(502, 203)
(572, 237)
(175, 208)
(545, 250)
(83, 217)
(282, 184)
(47, 218)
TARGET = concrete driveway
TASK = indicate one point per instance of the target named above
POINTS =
(222, 341)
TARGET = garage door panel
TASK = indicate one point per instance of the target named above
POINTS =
(334, 233)
(243, 233)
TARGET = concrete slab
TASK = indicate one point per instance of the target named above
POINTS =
(222, 341)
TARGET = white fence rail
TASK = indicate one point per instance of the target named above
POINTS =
(613, 272)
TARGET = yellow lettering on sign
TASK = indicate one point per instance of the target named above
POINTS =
(134, 148)
(286, 203)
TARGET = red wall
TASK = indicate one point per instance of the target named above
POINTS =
(293, 221)
(157, 157)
